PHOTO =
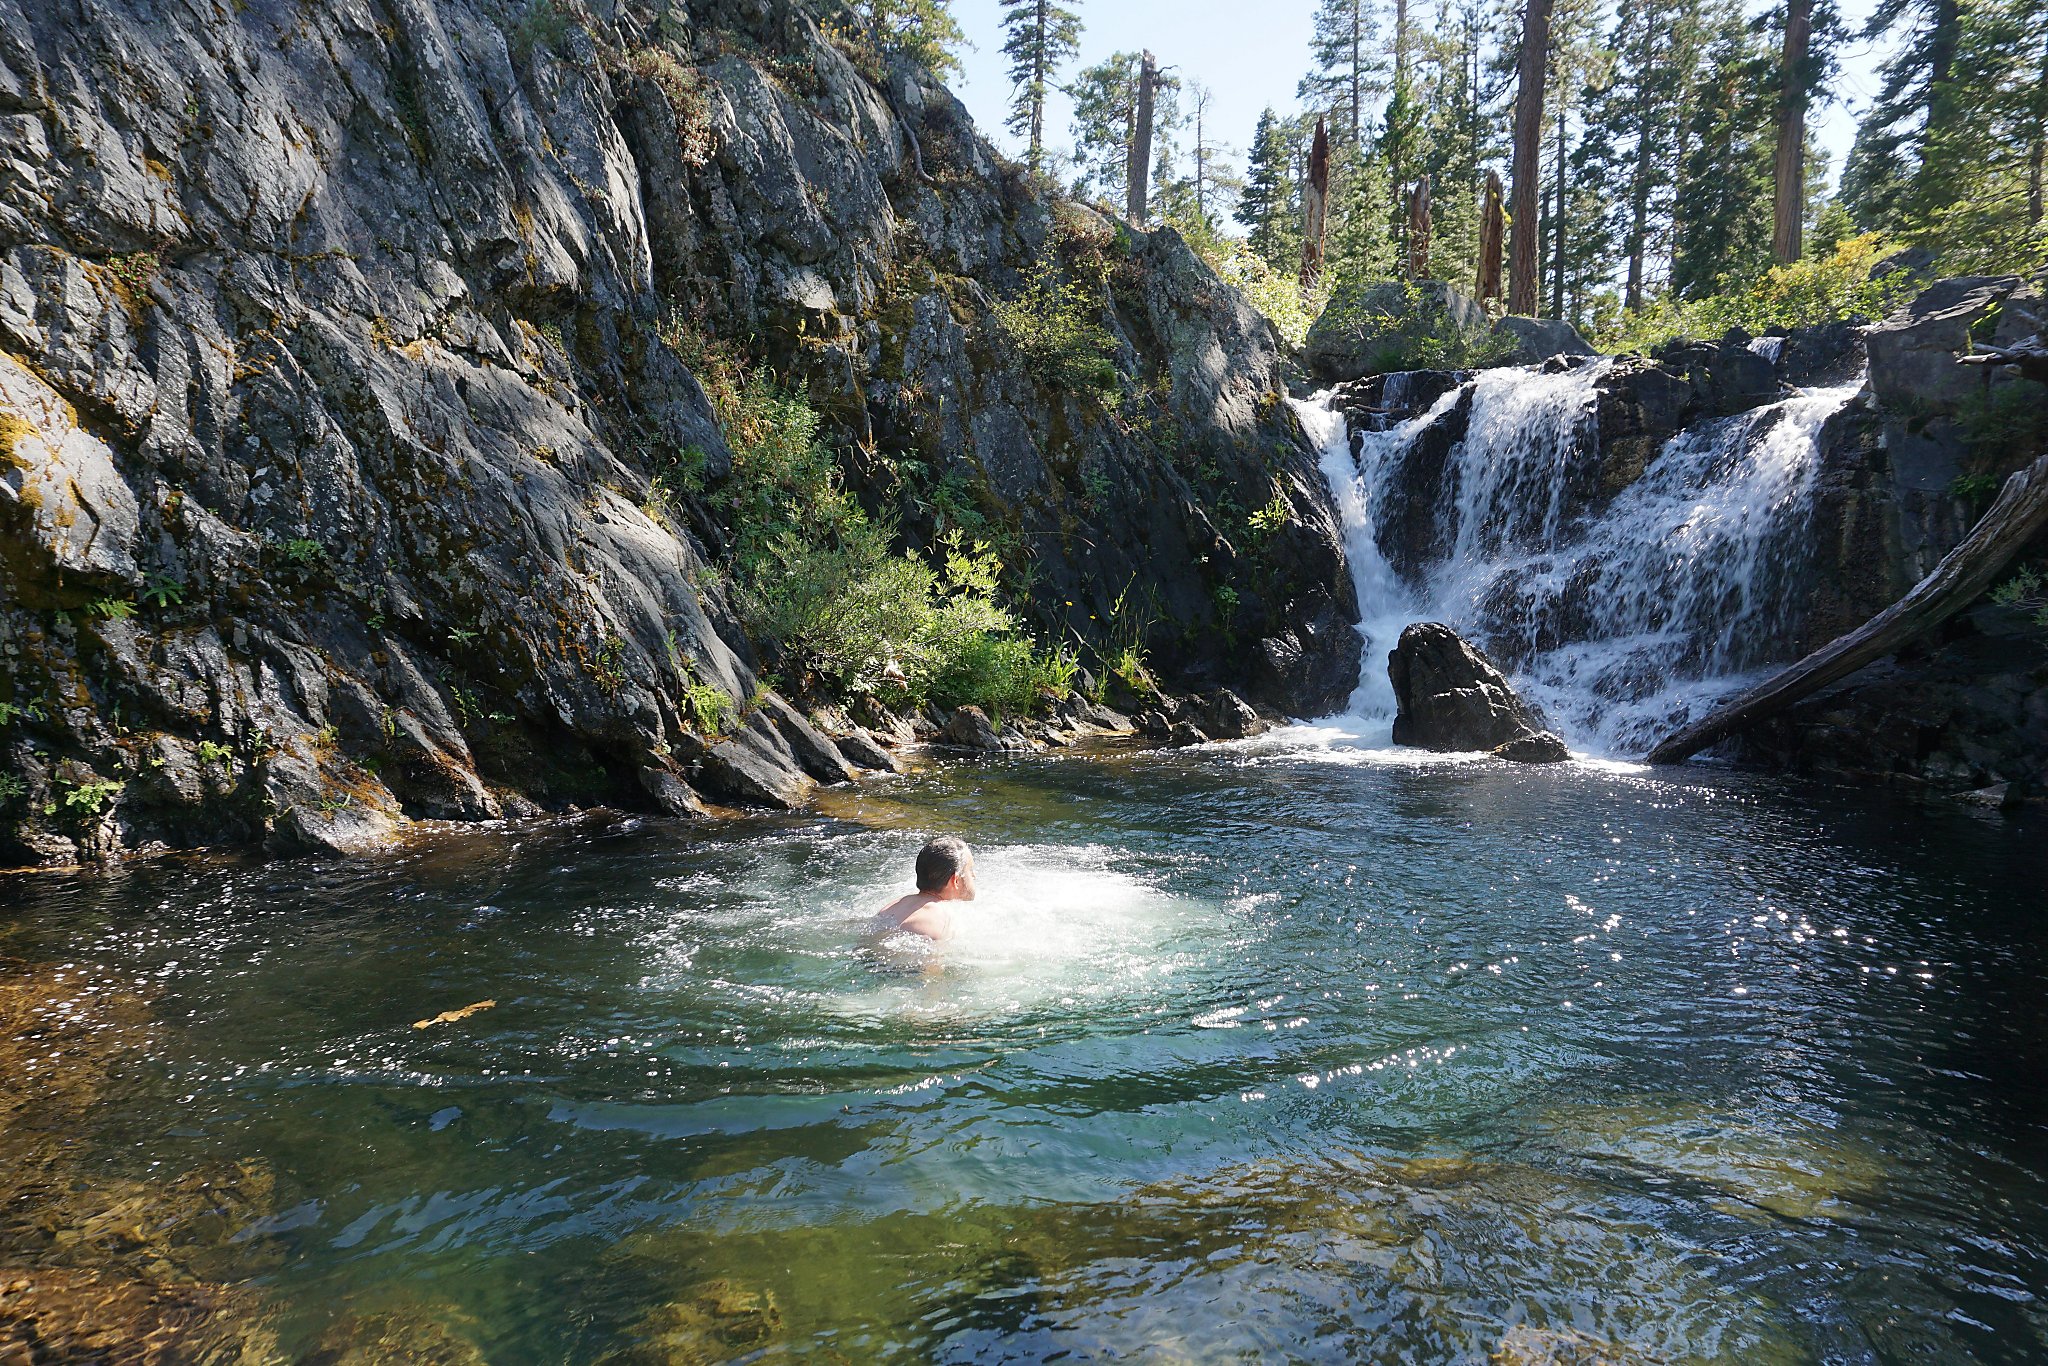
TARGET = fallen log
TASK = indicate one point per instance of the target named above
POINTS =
(2029, 356)
(1963, 574)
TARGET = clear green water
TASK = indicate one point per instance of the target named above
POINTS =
(1259, 1054)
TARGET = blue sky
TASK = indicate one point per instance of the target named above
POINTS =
(1252, 54)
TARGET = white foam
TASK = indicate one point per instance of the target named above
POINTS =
(1621, 623)
(1051, 925)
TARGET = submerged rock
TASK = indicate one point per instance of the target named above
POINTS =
(1451, 697)
(1544, 747)
(862, 751)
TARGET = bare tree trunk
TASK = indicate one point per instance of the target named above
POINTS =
(1315, 202)
(1963, 574)
(1400, 39)
(1788, 210)
(2038, 161)
(1038, 54)
(1490, 228)
(1418, 230)
(1638, 211)
(1140, 166)
(1522, 214)
(1557, 222)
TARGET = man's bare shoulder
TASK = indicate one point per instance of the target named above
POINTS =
(914, 914)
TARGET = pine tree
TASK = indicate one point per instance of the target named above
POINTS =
(1105, 124)
(1347, 71)
(1982, 209)
(1361, 250)
(1269, 209)
(1041, 35)
(1458, 134)
(1577, 63)
(1633, 120)
(1725, 182)
(1891, 179)
(923, 30)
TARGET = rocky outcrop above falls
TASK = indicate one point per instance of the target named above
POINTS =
(1452, 698)
(350, 427)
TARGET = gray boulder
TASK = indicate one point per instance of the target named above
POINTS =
(1311, 668)
(1451, 698)
(754, 767)
(862, 751)
(1374, 329)
(814, 753)
(1544, 747)
(1913, 352)
(1538, 339)
(969, 728)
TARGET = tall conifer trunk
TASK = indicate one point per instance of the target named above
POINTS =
(1557, 222)
(1788, 211)
(1038, 54)
(1523, 283)
(1639, 198)
(1140, 165)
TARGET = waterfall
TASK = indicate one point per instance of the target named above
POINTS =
(1620, 611)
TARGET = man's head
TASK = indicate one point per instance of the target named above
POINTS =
(945, 869)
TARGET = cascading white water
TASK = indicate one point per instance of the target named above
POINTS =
(1621, 620)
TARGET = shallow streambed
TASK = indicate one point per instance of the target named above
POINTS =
(1289, 1051)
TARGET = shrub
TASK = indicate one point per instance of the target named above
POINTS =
(1835, 286)
(90, 798)
(1052, 323)
(708, 708)
(815, 575)
(2026, 590)
(683, 90)
(1279, 296)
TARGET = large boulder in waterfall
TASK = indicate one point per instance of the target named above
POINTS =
(1451, 697)
(1538, 339)
(1913, 352)
(1375, 329)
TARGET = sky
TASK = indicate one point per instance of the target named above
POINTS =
(1253, 54)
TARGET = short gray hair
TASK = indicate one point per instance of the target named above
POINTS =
(939, 861)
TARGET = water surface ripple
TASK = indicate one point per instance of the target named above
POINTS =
(1286, 1051)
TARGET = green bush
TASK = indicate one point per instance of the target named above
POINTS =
(1052, 323)
(1830, 287)
(2026, 590)
(1278, 296)
(818, 578)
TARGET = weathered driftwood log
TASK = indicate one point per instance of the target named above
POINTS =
(2029, 356)
(2021, 510)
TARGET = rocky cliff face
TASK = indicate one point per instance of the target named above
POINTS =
(337, 376)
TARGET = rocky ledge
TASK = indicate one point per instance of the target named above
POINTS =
(352, 455)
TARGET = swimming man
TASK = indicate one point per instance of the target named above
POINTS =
(945, 872)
